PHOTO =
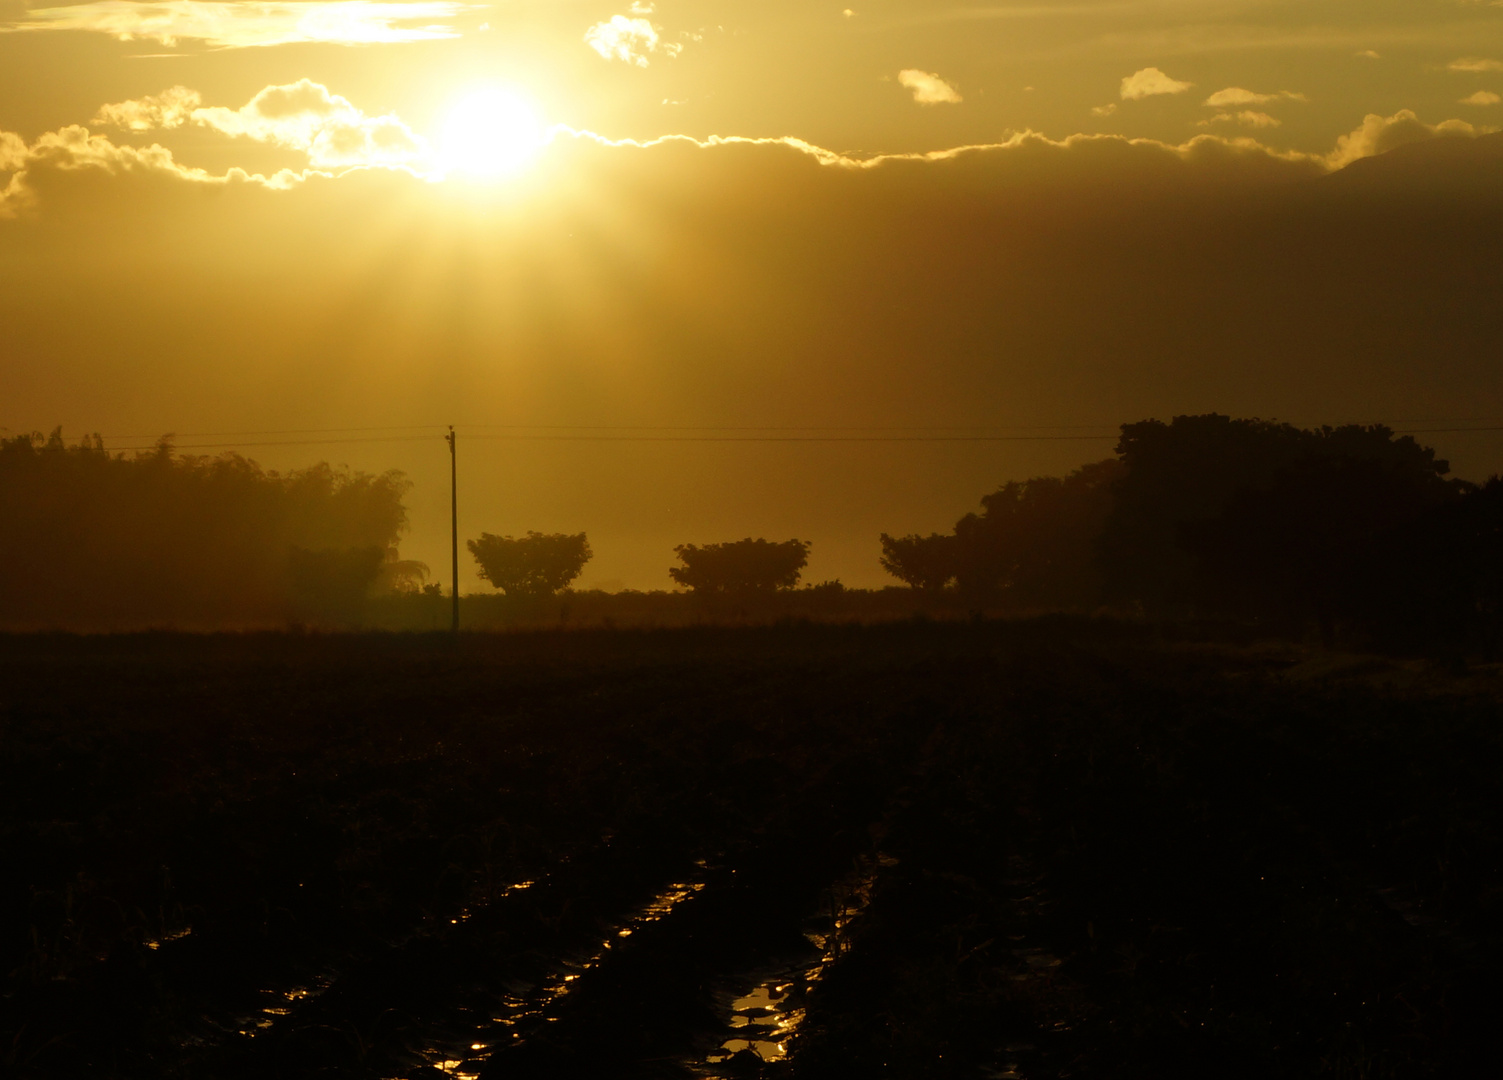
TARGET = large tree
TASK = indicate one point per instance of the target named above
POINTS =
(538, 564)
(1033, 546)
(924, 562)
(1316, 540)
(1181, 478)
(741, 566)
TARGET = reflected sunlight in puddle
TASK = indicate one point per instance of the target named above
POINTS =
(770, 1014)
(175, 935)
(534, 1003)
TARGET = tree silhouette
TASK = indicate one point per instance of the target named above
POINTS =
(1307, 544)
(537, 564)
(1033, 544)
(1182, 476)
(1444, 584)
(399, 575)
(90, 538)
(741, 566)
(924, 562)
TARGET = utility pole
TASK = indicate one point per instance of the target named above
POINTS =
(454, 522)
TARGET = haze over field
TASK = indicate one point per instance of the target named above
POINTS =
(585, 233)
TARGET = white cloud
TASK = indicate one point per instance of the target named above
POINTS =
(928, 88)
(1150, 82)
(1370, 54)
(302, 116)
(1380, 134)
(1236, 95)
(1475, 63)
(1482, 97)
(630, 40)
(13, 152)
(239, 24)
(1246, 117)
(1104, 110)
(1250, 118)
(169, 109)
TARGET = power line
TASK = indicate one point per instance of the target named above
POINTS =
(786, 427)
(1443, 430)
(283, 442)
(793, 438)
(649, 439)
(599, 434)
(289, 431)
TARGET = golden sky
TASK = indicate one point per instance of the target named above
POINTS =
(587, 232)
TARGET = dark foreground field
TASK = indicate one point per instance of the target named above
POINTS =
(974, 850)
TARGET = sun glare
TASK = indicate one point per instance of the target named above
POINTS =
(490, 133)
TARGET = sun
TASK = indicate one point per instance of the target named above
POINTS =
(490, 133)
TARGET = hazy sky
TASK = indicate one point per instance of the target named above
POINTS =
(586, 232)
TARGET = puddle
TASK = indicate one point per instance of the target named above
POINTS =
(765, 1019)
(522, 1003)
(175, 935)
(279, 1004)
(460, 1070)
(282, 1003)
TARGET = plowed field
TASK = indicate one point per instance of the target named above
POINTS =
(1018, 850)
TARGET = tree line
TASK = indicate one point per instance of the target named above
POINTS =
(94, 539)
(1350, 531)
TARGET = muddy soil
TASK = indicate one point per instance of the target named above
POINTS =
(1015, 850)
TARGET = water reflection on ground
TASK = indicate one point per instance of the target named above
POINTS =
(766, 1018)
(524, 1003)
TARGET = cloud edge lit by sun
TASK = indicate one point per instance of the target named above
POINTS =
(230, 24)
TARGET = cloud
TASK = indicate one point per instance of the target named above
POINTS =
(1236, 95)
(1249, 118)
(1245, 117)
(302, 116)
(1023, 154)
(928, 88)
(338, 139)
(13, 152)
(1150, 82)
(1482, 97)
(1380, 134)
(74, 149)
(239, 25)
(630, 40)
(1370, 54)
(1104, 110)
(1475, 64)
(169, 109)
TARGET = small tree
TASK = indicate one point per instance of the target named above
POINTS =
(742, 566)
(924, 562)
(399, 575)
(532, 565)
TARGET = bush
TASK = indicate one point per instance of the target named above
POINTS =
(742, 566)
(536, 565)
